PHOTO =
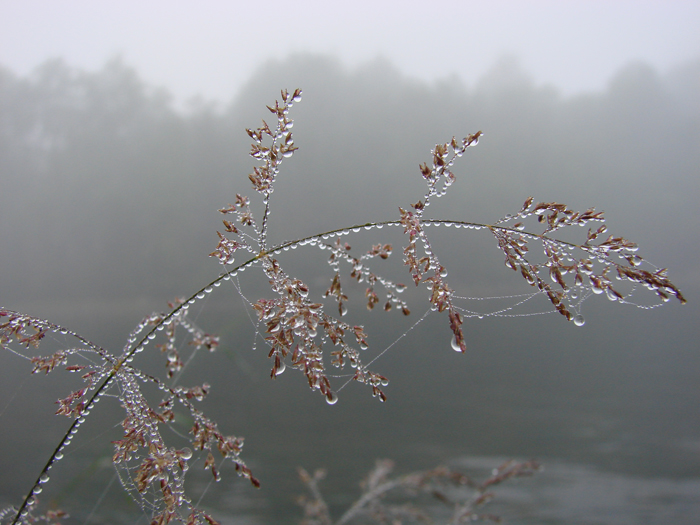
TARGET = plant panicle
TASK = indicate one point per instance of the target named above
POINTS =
(392, 499)
(297, 329)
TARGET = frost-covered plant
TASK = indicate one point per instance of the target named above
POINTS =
(300, 332)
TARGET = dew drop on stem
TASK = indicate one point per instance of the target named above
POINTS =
(579, 320)
(331, 398)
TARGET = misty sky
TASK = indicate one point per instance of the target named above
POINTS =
(212, 47)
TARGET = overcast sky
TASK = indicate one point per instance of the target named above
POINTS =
(210, 47)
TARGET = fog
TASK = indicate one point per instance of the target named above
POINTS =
(211, 48)
(109, 192)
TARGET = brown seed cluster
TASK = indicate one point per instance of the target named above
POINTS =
(298, 330)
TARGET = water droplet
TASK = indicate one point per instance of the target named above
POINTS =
(611, 295)
(579, 320)
(342, 309)
(455, 345)
(281, 368)
(331, 398)
(44, 478)
(186, 453)
(573, 293)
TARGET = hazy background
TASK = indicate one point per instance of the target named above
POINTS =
(211, 48)
(121, 133)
